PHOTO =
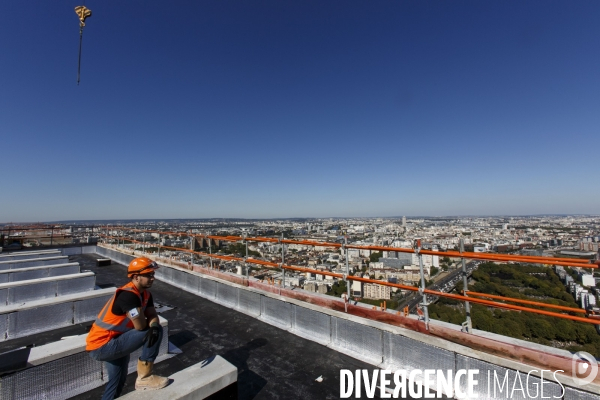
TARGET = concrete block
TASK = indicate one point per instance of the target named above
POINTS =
(196, 382)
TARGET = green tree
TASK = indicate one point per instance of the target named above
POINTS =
(375, 256)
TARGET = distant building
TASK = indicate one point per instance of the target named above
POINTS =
(587, 280)
(588, 300)
(374, 291)
(310, 287)
(357, 289)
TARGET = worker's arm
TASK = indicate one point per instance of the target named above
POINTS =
(138, 318)
(151, 316)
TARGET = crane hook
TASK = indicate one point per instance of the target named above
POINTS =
(82, 12)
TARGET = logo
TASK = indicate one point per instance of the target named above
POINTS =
(584, 368)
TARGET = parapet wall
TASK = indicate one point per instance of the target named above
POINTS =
(380, 338)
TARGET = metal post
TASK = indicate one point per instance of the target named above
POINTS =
(144, 243)
(158, 245)
(210, 251)
(425, 311)
(467, 325)
(245, 263)
(192, 251)
(51, 236)
(347, 267)
(283, 259)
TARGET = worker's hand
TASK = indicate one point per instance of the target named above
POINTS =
(152, 335)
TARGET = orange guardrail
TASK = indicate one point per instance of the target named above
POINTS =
(476, 299)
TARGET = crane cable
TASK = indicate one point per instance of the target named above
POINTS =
(82, 12)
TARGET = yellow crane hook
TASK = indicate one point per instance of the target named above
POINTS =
(82, 12)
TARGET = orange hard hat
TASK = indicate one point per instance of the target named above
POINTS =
(141, 265)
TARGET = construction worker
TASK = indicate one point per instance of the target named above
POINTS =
(127, 322)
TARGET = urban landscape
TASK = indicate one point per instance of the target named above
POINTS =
(551, 236)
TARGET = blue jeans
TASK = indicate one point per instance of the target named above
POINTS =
(115, 355)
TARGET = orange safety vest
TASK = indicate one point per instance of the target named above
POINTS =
(108, 325)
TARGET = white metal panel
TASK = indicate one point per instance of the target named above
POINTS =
(38, 291)
(75, 285)
(227, 295)
(57, 380)
(312, 325)
(490, 373)
(400, 352)
(357, 340)
(41, 319)
(249, 302)
(574, 394)
(276, 312)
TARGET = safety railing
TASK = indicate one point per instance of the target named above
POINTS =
(43, 235)
(467, 296)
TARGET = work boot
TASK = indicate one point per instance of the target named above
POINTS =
(145, 379)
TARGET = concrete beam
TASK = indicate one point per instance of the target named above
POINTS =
(194, 383)
(44, 288)
(20, 320)
(29, 255)
(43, 271)
(34, 262)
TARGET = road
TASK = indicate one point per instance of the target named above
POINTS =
(446, 284)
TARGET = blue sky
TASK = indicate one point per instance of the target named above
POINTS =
(270, 109)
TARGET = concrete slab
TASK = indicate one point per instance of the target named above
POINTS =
(29, 255)
(34, 262)
(196, 382)
(39, 272)
(37, 289)
(62, 299)
(70, 345)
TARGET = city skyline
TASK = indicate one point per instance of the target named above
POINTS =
(310, 110)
